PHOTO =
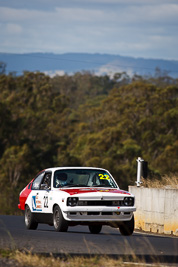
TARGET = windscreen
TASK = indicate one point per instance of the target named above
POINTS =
(83, 178)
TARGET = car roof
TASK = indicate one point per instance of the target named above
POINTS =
(53, 169)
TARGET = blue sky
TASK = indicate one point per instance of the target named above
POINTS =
(138, 28)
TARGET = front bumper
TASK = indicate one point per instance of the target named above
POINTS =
(100, 214)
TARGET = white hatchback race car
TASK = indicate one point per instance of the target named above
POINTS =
(69, 196)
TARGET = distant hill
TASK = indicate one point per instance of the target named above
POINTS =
(74, 62)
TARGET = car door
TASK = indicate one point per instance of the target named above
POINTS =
(37, 194)
(45, 192)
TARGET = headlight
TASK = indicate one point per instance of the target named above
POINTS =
(72, 201)
(128, 201)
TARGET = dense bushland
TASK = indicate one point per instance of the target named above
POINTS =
(85, 120)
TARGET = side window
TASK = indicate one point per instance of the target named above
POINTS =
(37, 181)
(29, 185)
(46, 181)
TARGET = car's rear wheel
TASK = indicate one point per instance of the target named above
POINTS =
(127, 227)
(60, 224)
(30, 222)
(95, 229)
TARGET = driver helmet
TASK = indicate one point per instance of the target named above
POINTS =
(61, 179)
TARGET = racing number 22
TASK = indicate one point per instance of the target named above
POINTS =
(45, 201)
(104, 176)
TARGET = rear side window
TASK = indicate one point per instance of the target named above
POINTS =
(37, 181)
(29, 185)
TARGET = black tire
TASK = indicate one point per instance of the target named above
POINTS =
(30, 222)
(95, 229)
(127, 227)
(60, 224)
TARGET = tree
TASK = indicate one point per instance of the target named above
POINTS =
(2, 67)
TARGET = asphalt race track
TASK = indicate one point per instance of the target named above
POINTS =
(78, 240)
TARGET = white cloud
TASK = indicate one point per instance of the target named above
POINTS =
(13, 28)
(54, 73)
(11, 14)
(80, 14)
(128, 27)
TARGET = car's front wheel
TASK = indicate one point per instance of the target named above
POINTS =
(127, 227)
(95, 229)
(30, 222)
(60, 224)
